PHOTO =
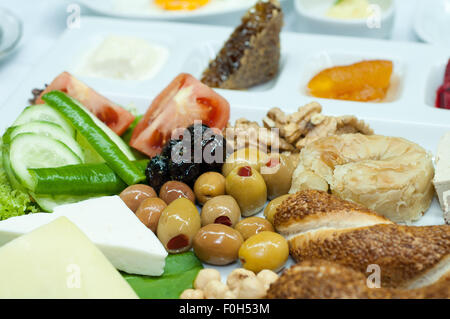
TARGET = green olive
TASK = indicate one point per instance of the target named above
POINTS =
(134, 195)
(249, 156)
(217, 244)
(208, 186)
(178, 224)
(248, 188)
(252, 226)
(150, 211)
(173, 190)
(221, 210)
(277, 173)
(265, 250)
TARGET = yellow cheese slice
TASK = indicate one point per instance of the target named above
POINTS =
(58, 261)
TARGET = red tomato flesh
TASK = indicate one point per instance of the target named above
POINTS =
(115, 117)
(182, 102)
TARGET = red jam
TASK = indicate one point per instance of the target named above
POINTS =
(443, 93)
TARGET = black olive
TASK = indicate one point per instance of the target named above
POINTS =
(181, 162)
(215, 154)
(177, 150)
(157, 172)
(184, 171)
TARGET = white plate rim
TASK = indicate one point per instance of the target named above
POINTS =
(166, 16)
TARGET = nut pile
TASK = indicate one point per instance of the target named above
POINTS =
(240, 284)
(296, 130)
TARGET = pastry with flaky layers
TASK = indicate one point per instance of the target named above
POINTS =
(389, 175)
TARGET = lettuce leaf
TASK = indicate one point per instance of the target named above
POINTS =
(13, 202)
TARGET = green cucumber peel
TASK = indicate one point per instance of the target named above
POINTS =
(179, 274)
(43, 112)
(47, 203)
(96, 137)
(81, 179)
(6, 162)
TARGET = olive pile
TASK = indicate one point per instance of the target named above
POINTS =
(229, 195)
(199, 149)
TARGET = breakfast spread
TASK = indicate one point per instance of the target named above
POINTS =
(251, 55)
(197, 198)
(363, 81)
(389, 175)
(231, 182)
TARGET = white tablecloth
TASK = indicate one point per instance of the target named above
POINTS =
(45, 20)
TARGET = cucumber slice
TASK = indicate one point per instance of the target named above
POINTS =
(8, 170)
(51, 130)
(48, 203)
(43, 112)
(90, 155)
(29, 150)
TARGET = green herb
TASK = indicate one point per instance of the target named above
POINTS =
(179, 274)
(13, 202)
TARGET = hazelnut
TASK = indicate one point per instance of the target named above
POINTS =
(236, 276)
(251, 288)
(216, 290)
(192, 294)
(204, 276)
(267, 277)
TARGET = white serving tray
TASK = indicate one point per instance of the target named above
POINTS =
(419, 68)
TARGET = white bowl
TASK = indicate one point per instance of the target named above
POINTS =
(432, 21)
(313, 18)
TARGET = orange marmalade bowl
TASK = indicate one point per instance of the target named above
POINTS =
(363, 81)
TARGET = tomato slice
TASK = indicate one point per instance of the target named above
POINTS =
(182, 102)
(115, 117)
